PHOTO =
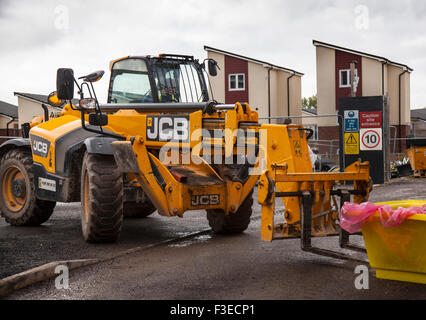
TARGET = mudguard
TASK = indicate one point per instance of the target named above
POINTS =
(99, 145)
(14, 143)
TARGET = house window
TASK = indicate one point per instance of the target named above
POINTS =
(237, 82)
(344, 78)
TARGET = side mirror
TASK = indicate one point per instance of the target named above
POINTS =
(65, 84)
(93, 77)
(54, 101)
(98, 120)
(212, 65)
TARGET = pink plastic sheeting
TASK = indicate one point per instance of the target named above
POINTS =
(353, 215)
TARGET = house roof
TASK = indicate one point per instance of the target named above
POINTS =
(419, 114)
(267, 64)
(8, 110)
(310, 110)
(40, 98)
(368, 55)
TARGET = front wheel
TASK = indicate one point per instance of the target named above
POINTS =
(101, 198)
(18, 202)
(234, 222)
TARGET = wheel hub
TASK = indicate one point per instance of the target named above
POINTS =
(18, 188)
(14, 193)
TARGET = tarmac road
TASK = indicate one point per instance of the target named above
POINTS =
(204, 267)
(23, 248)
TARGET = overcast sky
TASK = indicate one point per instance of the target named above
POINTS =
(37, 37)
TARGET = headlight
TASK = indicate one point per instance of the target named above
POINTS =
(88, 103)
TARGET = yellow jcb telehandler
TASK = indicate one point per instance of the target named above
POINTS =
(160, 143)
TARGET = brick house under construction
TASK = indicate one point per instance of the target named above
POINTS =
(377, 76)
(271, 89)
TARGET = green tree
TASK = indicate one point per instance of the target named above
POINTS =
(310, 103)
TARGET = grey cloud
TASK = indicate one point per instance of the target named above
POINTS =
(26, 25)
(277, 31)
(3, 6)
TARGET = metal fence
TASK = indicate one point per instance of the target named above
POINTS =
(394, 147)
(418, 128)
(326, 148)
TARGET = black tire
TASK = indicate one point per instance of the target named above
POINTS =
(101, 199)
(23, 209)
(234, 222)
(135, 210)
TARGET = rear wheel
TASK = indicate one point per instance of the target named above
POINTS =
(136, 210)
(18, 203)
(234, 222)
(101, 198)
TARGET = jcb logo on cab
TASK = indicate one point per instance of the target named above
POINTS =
(40, 146)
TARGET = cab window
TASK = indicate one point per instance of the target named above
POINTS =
(177, 82)
(130, 82)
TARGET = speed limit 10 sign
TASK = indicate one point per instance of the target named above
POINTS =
(371, 139)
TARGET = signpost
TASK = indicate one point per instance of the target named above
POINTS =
(364, 134)
(351, 128)
(372, 119)
(371, 139)
(351, 143)
(352, 121)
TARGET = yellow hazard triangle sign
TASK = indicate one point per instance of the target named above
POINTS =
(352, 143)
(351, 139)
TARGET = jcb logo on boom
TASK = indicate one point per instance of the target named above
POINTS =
(167, 128)
(205, 200)
(40, 146)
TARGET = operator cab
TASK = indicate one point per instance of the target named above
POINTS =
(163, 79)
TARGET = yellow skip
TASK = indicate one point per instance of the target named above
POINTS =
(398, 253)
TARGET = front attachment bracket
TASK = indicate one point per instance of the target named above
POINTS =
(306, 235)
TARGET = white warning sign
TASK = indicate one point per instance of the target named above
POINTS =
(371, 139)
